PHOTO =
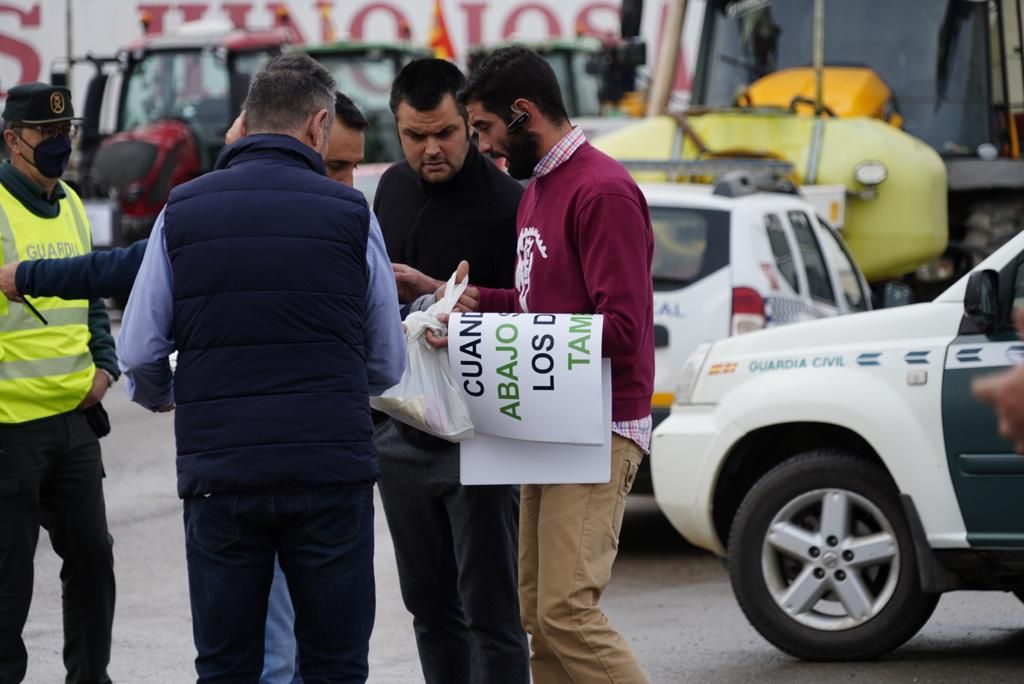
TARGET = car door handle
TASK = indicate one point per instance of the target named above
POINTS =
(660, 336)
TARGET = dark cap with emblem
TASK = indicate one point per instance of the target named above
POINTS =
(38, 103)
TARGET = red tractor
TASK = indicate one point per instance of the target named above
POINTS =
(156, 115)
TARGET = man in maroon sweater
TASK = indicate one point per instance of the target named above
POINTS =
(585, 246)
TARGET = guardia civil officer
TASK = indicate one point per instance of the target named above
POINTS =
(51, 374)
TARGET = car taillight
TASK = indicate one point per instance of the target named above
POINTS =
(748, 312)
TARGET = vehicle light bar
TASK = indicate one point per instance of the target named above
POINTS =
(710, 167)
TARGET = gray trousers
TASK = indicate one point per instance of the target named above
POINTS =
(457, 553)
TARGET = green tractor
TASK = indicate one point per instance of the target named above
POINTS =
(364, 71)
(598, 77)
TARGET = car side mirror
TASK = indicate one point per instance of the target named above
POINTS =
(981, 301)
(896, 294)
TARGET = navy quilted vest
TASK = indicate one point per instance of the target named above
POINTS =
(268, 257)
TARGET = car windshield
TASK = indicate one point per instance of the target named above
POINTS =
(933, 55)
(689, 244)
(194, 86)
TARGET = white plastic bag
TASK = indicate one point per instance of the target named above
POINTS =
(427, 397)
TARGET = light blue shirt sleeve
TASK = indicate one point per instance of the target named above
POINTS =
(146, 340)
(385, 339)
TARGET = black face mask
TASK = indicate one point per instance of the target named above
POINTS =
(52, 155)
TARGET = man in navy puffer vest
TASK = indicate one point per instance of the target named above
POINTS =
(267, 279)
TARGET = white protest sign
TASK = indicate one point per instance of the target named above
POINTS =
(488, 460)
(534, 377)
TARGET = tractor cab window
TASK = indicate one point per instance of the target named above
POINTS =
(934, 56)
(579, 88)
(243, 68)
(588, 86)
(366, 77)
(191, 86)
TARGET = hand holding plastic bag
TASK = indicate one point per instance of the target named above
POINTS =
(427, 397)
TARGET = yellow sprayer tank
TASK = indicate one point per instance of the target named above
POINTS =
(891, 229)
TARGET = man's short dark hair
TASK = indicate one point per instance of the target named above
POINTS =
(511, 73)
(287, 91)
(423, 83)
(348, 114)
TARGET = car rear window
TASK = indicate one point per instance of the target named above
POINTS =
(781, 251)
(814, 262)
(689, 244)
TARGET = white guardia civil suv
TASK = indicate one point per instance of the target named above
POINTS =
(744, 254)
(844, 470)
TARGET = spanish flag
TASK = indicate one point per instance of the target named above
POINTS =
(327, 26)
(439, 40)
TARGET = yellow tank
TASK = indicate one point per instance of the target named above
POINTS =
(848, 92)
(891, 230)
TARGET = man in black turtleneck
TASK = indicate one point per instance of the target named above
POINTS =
(456, 546)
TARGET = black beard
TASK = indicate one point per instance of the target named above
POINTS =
(522, 155)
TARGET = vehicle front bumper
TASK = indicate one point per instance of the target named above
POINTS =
(687, 453)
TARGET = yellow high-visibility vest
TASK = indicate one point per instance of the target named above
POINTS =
(45, 370)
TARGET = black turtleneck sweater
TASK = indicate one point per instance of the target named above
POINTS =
(432, 226)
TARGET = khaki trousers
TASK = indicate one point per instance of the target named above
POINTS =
(568, 539)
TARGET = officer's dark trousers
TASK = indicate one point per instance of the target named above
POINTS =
(51, 475)
(457, 553)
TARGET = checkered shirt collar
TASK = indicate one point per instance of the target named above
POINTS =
(560, 153)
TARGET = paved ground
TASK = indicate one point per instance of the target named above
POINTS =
(671, 601)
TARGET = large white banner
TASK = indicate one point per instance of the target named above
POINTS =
(539, 396)
(534, 377)
(35, 33)
(488, 460)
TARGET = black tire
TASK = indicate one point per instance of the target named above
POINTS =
(890, 617)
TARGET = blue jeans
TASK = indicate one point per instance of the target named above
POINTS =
(280, 653)
(324, 540)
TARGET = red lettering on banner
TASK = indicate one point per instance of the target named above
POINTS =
(27, 57)
(238, 13)
(289, 23)
(474, 21)
(358, 26)
(157, 14)
(584, 25)
(190, 12)
(512, 22)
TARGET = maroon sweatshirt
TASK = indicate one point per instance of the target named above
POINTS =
(585, 246)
